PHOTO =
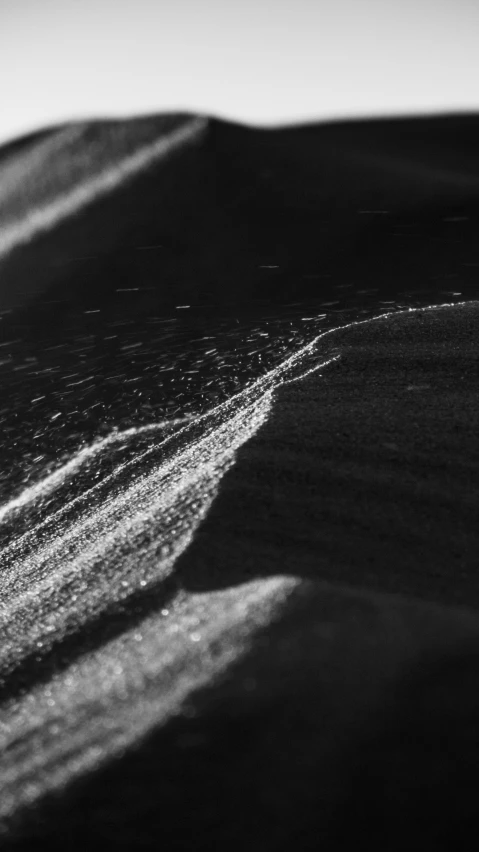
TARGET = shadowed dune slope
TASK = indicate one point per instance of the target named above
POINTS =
(367, 474)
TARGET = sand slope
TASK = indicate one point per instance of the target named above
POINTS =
(323, 621)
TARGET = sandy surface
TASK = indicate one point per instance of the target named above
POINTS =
(358, 495)
(367, 475)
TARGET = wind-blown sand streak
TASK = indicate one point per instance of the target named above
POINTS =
(50, 483)
(128, 533)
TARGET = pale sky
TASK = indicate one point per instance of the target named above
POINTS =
(256, 61)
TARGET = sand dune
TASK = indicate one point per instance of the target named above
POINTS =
(248, 621)
(238, 519)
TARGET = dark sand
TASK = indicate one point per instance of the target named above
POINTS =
(367, 475)
(357, 710)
